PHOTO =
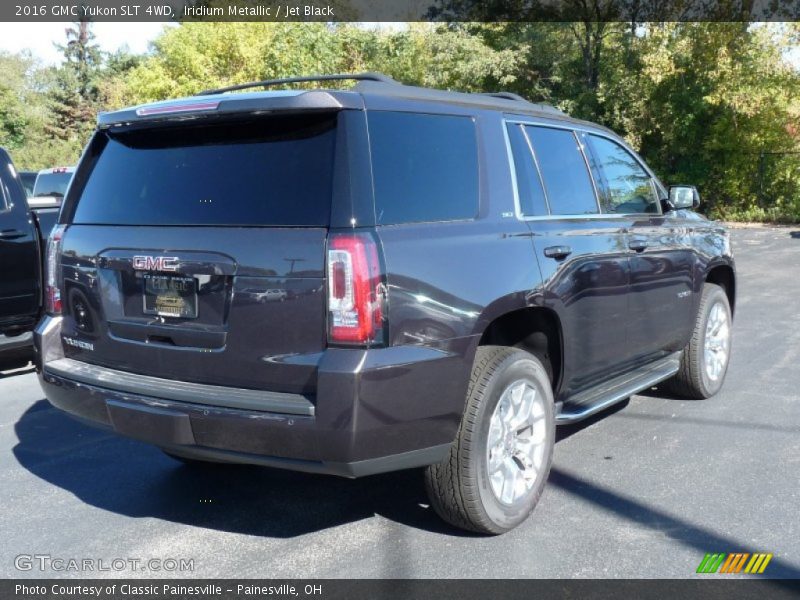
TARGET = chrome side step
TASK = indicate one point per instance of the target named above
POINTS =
(619, 388)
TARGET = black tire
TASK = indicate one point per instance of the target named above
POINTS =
(692, 380)
(459, 488)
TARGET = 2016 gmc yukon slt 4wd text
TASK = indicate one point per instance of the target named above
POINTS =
(378, 278)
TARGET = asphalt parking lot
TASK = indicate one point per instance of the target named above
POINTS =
(644, 490)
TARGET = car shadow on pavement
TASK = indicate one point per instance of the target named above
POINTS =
(663, 394)
(682, 531)
(134, 479)
(565, 431)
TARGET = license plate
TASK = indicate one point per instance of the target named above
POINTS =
(170, 296)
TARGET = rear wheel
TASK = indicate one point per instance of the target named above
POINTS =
(705, 358)
(496, 470)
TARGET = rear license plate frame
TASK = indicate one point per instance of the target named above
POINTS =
(166, 300)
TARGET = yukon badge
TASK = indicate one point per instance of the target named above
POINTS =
(78, 343)
(155, 263)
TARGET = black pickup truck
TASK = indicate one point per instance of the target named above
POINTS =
(23, 232)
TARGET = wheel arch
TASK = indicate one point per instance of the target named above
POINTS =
(724, 276)
(534, 329)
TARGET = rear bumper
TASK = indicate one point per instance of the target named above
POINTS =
(375, 410)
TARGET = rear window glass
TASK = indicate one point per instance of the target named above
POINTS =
(262, 172)
(51, 184)
(425, 167)
(566, 178)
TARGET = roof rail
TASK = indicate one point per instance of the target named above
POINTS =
(506, 96)
(517, 98)
(380, 77)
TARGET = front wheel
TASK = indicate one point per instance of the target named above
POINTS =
(497, 468)
(705, 358)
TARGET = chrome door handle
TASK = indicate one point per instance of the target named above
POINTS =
(637, 245)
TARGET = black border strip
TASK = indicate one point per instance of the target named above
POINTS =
(401, 10)
(709, 588)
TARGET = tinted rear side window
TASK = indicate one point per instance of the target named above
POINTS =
(529, 185)
(566, 178)
(425, 167)
(262, 172)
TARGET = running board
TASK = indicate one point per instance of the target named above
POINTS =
(619, 388)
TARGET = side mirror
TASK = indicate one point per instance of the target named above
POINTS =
(683, 196)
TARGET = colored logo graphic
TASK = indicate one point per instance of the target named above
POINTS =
(734, 563)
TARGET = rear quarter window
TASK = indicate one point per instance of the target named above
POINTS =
(262, 172)
(424, 167)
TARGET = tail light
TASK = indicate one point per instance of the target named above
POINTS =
(355, 290)
(52, 293)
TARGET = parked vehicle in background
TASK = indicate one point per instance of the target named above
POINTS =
(466, 272)
(23, 233)
(28, 179)
(50, 186)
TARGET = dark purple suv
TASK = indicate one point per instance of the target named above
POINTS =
(379, 278)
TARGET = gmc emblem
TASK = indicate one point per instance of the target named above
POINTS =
(155, 263)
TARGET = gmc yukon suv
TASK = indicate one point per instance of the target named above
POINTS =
(457, 274)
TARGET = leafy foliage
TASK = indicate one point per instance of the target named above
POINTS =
(199, 56)
(716, 104)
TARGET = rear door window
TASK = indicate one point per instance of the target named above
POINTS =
(424, 167)
(532, 202)
(566, 177)
(268, 171)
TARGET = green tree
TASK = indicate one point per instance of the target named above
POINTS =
(197, 56)
(716, 104)
(703, 103)
(74, 94)
(15, 115)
